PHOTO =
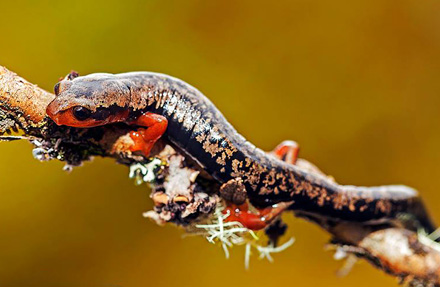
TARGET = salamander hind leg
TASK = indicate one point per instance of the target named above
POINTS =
(145, 138)
(239, 209)
(286, 151)
(255, 218)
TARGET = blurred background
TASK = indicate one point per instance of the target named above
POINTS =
(356, 83)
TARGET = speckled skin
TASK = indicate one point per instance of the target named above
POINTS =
(199, 129)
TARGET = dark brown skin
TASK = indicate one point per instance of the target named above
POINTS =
(199, 129)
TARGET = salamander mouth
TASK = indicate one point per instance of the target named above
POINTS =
(66, 118)
(56, 116)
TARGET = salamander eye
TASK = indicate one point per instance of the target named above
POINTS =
(72, 75)
(81, 113)
(56, 89)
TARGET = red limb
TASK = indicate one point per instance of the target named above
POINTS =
(262, 218)
(287, 151)
(144, 139)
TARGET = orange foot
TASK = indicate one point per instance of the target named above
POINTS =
(144, 139)
(287, 151)
(258, 220)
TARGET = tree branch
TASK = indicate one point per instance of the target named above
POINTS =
(404, 254)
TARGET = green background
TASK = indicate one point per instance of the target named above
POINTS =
(356, 83)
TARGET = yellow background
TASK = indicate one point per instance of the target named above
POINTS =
(356, 83)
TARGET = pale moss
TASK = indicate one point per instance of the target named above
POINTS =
(233, 233)
(430, 239)
(144, 172)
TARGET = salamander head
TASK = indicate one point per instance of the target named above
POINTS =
(89, 101)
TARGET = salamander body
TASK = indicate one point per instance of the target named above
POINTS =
(200, 130)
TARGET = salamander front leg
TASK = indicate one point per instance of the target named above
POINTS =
(287, 151)
(234, 193)
(144, 139)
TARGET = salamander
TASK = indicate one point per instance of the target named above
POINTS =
(158, 105)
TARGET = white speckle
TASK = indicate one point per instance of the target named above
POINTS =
(215, 135)
(191, 118)
(170, 104)
(206, 126)
(181, 109)
(202, 127)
